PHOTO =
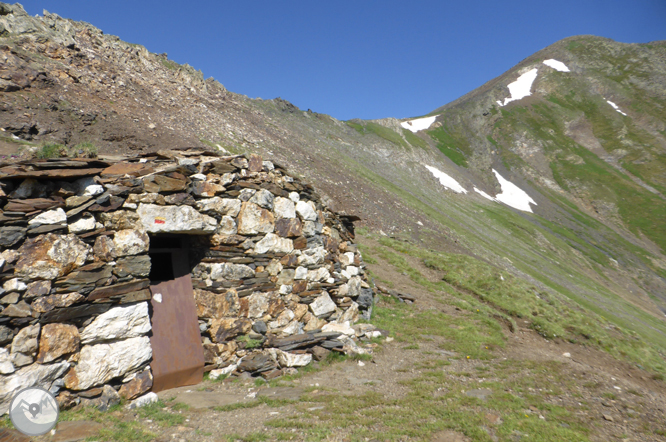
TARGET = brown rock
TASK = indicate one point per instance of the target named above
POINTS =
(141, 384)
(79, 311)
(36, 289)
(91, 393)
(252, 219)
(76, 201)
(207, 189)
(255, 164)
(275, 306)
(299, 311)
(139, 295)
(67, 400)
(299, 286)
(216, 305)
(319, 353)
(257, 363)
(48, 303)
(132, 265)
(50, 256)
(123, 168)
(180, 199)
(57, 340)
(289, 260)
(289, 227)
(120, 219)
(161, 183)
(118, 289)
(104, 248)
(301, 243)
(18, 310)
(225, 329)
(331, 244)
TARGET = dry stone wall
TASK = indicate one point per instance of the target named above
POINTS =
(276, 278)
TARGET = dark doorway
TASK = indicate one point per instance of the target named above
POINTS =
(176, 341)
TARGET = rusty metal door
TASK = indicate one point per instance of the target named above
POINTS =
(177, 351)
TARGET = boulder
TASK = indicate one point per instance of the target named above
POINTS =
(118, 323)
(106, 400)
(174, 219)
(271, 243)
(50, 256)
(225, 329)
(284, 208)
(286, 359)
(26, 341)
(306, 211)
(130, 242)
(6, 366)
(146, 399)
(322, 305)
(339, 327)
(350, 315)
(56, 216)
(31, 376)
(221, 206)
(252, 220)
(57, 340)
(216, 305)
(100, 363)
(140, 384)
(257, 363)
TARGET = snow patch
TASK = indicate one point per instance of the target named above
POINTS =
(484, 194)
(513, 195)
(557, 65)
(521, 87)
(418, 124)
(446, 180)
(615, 107)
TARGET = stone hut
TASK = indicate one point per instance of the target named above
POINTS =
(121, 277)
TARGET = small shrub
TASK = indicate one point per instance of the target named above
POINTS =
(84, 150)
(51, 150)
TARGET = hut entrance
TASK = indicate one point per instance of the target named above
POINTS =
(176, 341)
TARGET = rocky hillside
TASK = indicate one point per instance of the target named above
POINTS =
(562, 186)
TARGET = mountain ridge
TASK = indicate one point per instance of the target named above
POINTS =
(70, 83)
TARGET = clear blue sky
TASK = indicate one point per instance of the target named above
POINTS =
(360, 59)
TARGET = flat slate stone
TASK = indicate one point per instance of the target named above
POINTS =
(65, 314)
(118, 289)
